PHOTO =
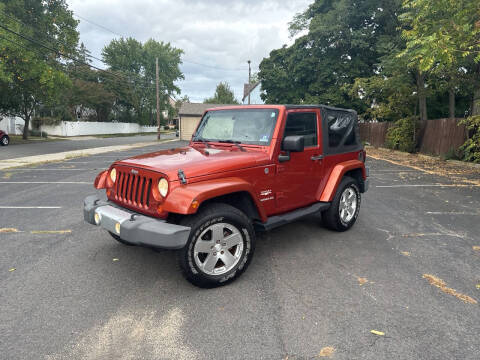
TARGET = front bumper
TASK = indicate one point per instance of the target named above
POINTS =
(133, 227)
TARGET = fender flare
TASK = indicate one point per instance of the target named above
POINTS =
(180, 199)
(101, 180)
(336, 176)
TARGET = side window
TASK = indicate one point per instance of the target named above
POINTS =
(304, 124)
(340, 129)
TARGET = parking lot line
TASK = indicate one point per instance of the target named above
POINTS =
(55, 169)
(47, 182)
(30, 207)
(426, 185)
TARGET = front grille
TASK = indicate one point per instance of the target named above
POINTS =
(133, 189)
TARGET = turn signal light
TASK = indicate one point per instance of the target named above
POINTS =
(194, 204)
(362, 156)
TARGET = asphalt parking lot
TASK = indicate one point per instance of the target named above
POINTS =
(69, 291)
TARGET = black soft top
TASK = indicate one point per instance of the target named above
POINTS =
(340, 133)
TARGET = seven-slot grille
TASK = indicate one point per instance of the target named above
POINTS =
(133, 189)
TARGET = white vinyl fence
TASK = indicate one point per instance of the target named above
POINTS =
(14, 126)
(78, 128)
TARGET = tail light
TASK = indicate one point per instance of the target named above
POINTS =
(362, 155)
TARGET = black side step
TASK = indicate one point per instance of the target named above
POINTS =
(286, 218)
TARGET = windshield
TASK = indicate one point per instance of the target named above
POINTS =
(246, 126)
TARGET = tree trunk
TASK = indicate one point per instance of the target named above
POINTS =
(476, 94)
(25, 129)
(422, 97)
(476, 101)
(451, 103)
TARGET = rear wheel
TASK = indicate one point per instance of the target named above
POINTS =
(5, 140)
(220, 246)
(345, 207)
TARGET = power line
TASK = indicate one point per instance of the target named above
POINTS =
(59, 53)
(185, 60)
(100, 26)
(51, 39)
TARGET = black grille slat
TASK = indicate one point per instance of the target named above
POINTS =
(142, 191)
(117, 185)
(129, 187)
(124, 186)
(135, 190)
(147, 194)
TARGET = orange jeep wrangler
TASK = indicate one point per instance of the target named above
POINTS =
(246, 169)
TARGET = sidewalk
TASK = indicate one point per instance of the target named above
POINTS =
(38, 159)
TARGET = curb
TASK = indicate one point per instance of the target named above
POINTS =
(38, 159)
(464, 163)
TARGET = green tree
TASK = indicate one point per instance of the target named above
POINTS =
(134, 62)
(223, 95)
(442, 34)
(341, 44)
(30, 74)
(445, 35)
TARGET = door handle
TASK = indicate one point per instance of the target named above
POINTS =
(316, 157)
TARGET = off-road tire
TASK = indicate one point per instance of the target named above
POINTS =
(120, 240)
(331, 218)
(5, 140)
(212, 214)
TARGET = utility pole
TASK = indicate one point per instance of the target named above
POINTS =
(249, 80)
(158, 99)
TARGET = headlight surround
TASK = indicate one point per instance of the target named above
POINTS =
(163, 187)
(113, 175)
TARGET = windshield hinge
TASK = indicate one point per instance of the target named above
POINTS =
(181, 176)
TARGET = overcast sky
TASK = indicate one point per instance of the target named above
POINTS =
(222, 34)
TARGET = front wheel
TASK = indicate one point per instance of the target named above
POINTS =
(5, 140)
(219, 248)
(345, 206)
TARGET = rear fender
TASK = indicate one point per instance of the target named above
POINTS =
(336, 176)
(180, 200)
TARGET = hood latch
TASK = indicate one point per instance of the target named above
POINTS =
(181, 176)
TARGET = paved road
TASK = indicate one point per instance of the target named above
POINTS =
(307, 288)
(79, 143)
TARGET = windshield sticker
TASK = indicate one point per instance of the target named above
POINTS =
(264, 138)
(273, 115)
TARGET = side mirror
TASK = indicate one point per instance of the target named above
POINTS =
(295, 143)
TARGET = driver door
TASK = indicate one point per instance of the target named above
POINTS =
(298, 178)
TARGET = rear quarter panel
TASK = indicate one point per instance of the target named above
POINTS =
(335, 166)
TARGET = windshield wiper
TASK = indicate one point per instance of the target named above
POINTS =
(236, 143)
(199, 138)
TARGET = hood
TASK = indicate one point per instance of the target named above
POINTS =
(197, 161)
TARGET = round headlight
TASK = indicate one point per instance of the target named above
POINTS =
(163, 187)
(113, 175)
